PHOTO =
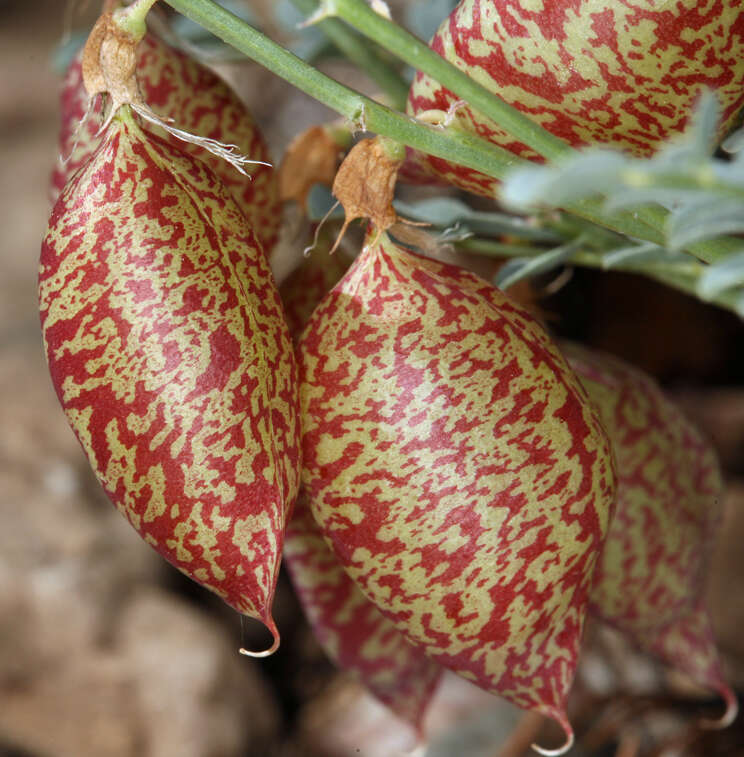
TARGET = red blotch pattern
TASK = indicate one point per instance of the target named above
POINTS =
(352, 631)
(350, 628)
(625, 75)
(456, 468)
(169, 353)
(650, 578)
(199, 102)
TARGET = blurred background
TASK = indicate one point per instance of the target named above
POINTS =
(106, 651)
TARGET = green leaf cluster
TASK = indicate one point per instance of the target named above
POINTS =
(701, 191)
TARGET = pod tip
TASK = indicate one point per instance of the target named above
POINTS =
(563, 722)
(728, 717)
(271, 626)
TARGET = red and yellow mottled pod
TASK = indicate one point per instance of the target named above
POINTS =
(458, 470)
(651, 575)
(621, 74)
(199, 102)
(350, 628)
(170, 355)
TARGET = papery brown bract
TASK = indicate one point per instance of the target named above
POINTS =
(625, 74)
(350, 628)
(171, 358)
(457, 469)
(651, 576)
(199, 102)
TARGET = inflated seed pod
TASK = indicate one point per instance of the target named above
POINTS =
(356, 636)
(169, 353)
(350, 628)
(651, 575)
(620, 74)
(456, 467)
(178, 87)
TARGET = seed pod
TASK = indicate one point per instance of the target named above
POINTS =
(169, 353)
(200, 103)
(651, 575)
(351, 630)
(457, 469)
(621, 74)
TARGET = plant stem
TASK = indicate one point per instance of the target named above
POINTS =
(363, 112)
(357, 49)
(407, 47)
(647, 223)
(639, 224)
(666, 273)
(467, 150)
(684, 181)
(681, 276)
(584, 256)
(132, 18)
(462, 148)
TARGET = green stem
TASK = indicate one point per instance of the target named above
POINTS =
(356, 49)
(363, 112)
(637, 179)
(132, 18)
(407, 47)
(459, 147)
(681, 276)
(639, 224)
(467, 150)
(584, 256)
(647, 223)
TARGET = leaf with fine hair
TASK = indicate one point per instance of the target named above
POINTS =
(447, 212)
(587, 173)
(520, 268)
(705, 219)
(722, 276)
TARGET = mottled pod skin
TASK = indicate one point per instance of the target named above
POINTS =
(171, 358)
(352, 631)
(457, 469)
(350, 628)
(650, 578)
(623, 74)
(199, 102)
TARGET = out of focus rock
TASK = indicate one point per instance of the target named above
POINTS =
(171, 684)
(465, 721)
(346, 721)
(196, 696)
(462, 721)
(94, 660)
